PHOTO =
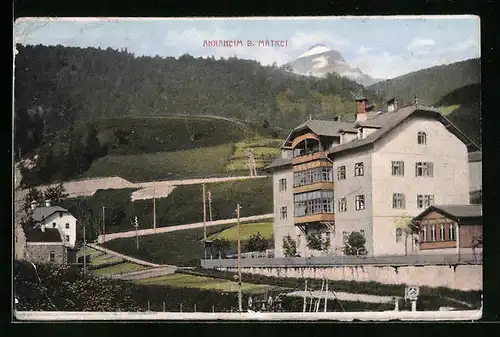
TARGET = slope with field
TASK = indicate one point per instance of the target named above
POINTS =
(153, 148)
(182, 206)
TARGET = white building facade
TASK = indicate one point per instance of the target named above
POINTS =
(387, 168)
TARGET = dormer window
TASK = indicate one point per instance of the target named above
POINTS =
(422, 138)
(360, 133)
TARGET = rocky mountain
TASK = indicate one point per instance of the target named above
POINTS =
(320, 60)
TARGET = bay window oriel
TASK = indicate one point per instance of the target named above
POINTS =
(311, 176)
(313, 203)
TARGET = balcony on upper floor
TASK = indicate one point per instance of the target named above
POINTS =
(314, 206)
(314, 218)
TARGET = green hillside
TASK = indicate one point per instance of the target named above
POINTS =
(146, 148)
(464, 110)
(65, 85)
(182, 206)
(431, 84)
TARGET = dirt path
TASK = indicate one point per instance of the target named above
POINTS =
(144, 274)
(161, 189)
(147, 190)
(142, 232)
(125, 257)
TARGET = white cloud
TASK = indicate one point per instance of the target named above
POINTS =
(419, 42)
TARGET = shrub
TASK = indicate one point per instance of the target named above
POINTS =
(289, 246)
(315, 241)
(256, 243)
(355, 244)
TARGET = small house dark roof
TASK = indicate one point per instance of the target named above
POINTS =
(475, 156)
(36, 234)
(40, 213)
(459, 213)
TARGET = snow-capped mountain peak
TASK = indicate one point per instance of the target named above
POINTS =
(315, 50)
(320, 60)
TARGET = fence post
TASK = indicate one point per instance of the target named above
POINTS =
(213, 308)
(181, 306)
(195, 307)
(148, 306)
(163, 306)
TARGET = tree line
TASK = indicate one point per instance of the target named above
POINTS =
(67, 84)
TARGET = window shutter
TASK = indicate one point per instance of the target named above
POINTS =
(416, 169)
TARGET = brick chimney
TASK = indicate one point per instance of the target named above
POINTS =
(33, 204)
(47, 203)
(361, 111)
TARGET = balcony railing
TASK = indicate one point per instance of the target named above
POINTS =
(308, 157)
(318, 217)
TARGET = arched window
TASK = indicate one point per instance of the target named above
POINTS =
(422, 138)
(424, 233)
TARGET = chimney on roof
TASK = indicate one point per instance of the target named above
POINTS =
(392, 104)
(33, 204)
(361, 111)
(47, 203)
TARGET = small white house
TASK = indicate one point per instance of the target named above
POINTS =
(55, 217)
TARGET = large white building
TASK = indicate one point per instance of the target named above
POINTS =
(370, 176)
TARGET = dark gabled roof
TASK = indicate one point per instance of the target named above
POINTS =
(42, 213)
(475, 156)
(36, 234)
(279, 162)
(389, 120)
(324, 128)
(456, 212)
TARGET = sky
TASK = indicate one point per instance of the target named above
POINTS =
(382, 47)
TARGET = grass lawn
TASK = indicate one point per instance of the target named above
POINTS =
(199, 162)
(206, 283)
(103, 259)
(180, 248)
(246, 230)
(264, 150)
(184, 204)
(90, 252)
(119, 268)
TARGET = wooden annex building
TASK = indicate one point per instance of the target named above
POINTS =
(446, 228)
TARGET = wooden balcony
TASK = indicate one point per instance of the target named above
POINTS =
(312, 164)
(314, 218)
(309, 157)
(321, 185)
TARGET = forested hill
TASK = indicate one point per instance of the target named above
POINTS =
(68, 84)
(430, 85)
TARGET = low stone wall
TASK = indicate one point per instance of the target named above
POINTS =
(460, 277)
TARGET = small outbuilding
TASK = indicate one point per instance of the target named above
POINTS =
(450, 229)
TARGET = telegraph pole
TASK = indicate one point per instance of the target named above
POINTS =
(210, 205)
(84, 250)
(239, 258)
(154, 205)
(103, 225)
(204, 215)
(136, 233)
